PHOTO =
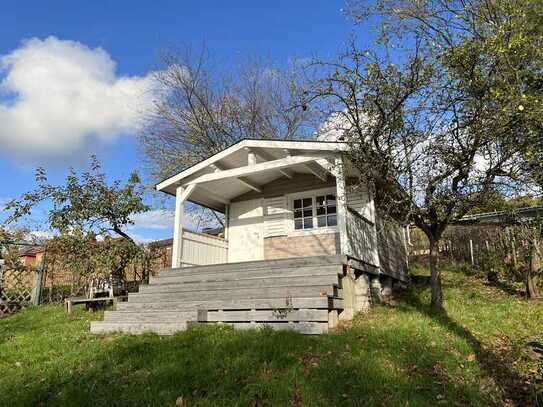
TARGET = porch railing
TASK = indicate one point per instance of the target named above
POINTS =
(203, 249)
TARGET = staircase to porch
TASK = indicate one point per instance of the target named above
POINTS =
(303, 294)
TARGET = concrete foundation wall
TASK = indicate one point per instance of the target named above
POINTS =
(301, 245)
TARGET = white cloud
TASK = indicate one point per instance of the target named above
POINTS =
(41, 234)
(155, 219)
(57, 96)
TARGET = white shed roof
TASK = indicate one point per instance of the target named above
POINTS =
(227, 174)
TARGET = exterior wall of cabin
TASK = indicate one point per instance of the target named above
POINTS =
(319, 244)
(261, 226)
(273, 209)
(360, 218)
(392, 249)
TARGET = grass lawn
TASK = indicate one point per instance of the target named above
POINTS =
(474, 354)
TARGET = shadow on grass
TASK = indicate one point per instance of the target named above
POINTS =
(216, 366)
(496, 366)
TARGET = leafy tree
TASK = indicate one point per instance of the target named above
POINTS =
(85, 207)
(444, 111)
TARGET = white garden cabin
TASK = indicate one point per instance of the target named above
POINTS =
(303, 247)
(283, 199)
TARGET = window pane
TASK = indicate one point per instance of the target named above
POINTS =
(308, 213)
(320, 200)
(298, 224)
(308, 223)
(321, 211)
(332, 220)
(331, 209)
(330, 199)
(297, 203)
(308, 202)
(297, 214)
(321, 221)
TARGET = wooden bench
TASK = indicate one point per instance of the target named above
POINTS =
(70, 302)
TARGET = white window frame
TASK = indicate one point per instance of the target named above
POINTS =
(315, 230)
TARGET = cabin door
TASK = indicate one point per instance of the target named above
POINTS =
(246, 231)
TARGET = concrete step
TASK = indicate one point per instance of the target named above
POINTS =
(239, 293)
(161, 328)
(214, 304)
(169, 277)
(266, 264)
(245, 283)
(155, 316)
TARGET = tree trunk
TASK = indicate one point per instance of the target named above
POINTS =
(435, 276)
(532, 276)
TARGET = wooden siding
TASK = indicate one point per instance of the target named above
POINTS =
(391, 244)
(360, 225)
(203, 249)
(283, 186)
(362, 238)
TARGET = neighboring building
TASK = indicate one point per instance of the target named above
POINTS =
(31, 256)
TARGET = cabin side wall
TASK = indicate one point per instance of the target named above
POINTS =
(372, 239)
(392, 248)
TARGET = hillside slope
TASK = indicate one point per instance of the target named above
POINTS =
(475, 354)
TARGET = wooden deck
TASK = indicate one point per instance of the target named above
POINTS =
(302, 294)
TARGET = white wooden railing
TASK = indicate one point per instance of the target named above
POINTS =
(202, 249)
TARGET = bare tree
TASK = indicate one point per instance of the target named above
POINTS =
(202, 111)
(432, 113)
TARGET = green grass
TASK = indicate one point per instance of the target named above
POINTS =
(474, 354)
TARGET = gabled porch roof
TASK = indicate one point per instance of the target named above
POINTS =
(248, 165)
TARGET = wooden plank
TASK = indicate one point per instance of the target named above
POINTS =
(308, 328)
(239, 293)
(265, 281)
(259, 264)
(162, 328)
(248, 274)
(282, 186)
(254, 169)
(233, 304)
(279, 315)
(155, 316)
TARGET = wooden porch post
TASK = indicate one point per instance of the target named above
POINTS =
(181, 195)
(341, 197)
(177, 249)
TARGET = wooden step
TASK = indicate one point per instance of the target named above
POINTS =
(214, 304)
(240, 293)
(283, 315)
(156, 316)
(161, 328)
(169, 278)
(266, 264)
(245, 283)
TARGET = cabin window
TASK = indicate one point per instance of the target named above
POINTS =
(326, 210)
(303, 213)
(315, 212)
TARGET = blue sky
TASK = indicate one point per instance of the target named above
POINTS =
(65, 36)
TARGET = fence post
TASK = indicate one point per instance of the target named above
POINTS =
(471, 252)
(38, 284)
